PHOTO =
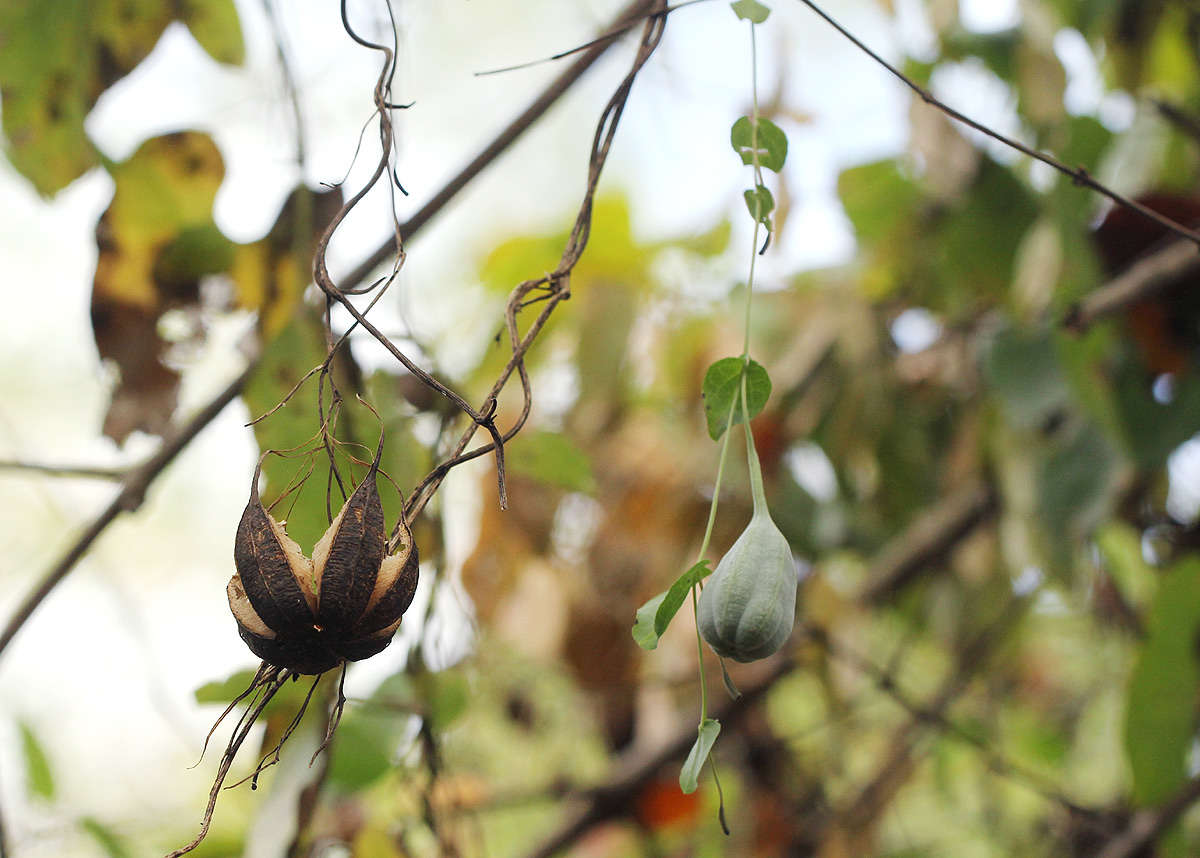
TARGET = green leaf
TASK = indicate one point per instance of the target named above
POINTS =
(49, 86)
(723, 388)
(364, 746)
(1161, 712)
(676, 594)
(689, 775)
(770, 147)
(1120, 547)
(369, 736)
(551, 458)
(760, 203)
(706, 244)
(1153, 429)
(298, 348)
(644, 622)
(448, 698)
(37, 764)
(977, 242)
(112, 845)
(1075, 484)
(879, 199)
(750, 10)
(223, 691)
(1023, 368)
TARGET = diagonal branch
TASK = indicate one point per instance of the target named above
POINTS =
(932, 535)
(1141, 280)
(863, 810)
(614, 798)
(87, 472)
(1148, 825)
(128, 499)
(995, 760)
(1078, 175)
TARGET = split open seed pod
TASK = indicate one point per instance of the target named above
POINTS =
(343, 604)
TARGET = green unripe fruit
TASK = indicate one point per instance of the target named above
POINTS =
(748, 606)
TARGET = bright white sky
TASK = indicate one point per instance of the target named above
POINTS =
(106, 669)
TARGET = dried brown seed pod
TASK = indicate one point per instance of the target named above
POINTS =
(344, 604)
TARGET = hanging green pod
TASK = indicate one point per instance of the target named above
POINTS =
(748, 606)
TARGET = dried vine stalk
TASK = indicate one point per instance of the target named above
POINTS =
(554, 287)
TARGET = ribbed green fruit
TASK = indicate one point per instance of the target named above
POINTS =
(748, 606)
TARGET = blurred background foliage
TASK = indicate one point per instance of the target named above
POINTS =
(995, 514)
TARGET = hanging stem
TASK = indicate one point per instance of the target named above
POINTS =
(760, 503)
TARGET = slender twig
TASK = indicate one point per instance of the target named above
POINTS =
(1143, 279)
(269, 685)
(929, 538)
(335, 294)
(87, 472)
(128, 499)
(555, 284)
(885, 681)
(601, 39)
(1079, 175)
(548, 97)
(615, 797)
(1148, 825)
(552, 288)
(861, 812)
(290, 85)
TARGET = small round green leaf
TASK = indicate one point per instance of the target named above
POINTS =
(769, 145)
(760, 203)
(722, 391)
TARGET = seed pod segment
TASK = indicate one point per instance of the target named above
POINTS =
(394, 588)
(275, 575)
(347, 558)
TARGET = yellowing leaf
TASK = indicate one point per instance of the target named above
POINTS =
(155, 240)
(270, 275)
(58, 56)
(374, 843)
(214, 24)
(46, 90)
